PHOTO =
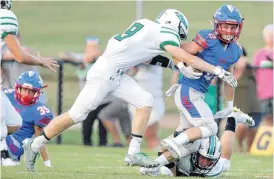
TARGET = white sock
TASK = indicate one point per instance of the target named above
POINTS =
(162, 160)
(181, 139)
(135, 144)
(38, 143)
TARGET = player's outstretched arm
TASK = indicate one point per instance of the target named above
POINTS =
(193, 61)
(198, 63)
(26, 58)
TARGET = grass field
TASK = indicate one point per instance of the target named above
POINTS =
(52, 27)
(77, 161)
(73, 162)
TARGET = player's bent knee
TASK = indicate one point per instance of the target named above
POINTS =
(76, 117)
(226, 164)
(147, 100)
(209, 129)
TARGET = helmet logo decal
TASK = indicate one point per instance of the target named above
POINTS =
(182, 19)
(31, 73)
(231, 8)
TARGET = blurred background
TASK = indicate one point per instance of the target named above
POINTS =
(55, 27)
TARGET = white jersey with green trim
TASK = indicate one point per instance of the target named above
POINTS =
(142, 41)
(8, 25)
(185, 165)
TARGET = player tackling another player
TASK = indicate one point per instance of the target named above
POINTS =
(142, 41)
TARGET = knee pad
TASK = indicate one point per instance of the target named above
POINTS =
(226, 164)
(209, 129)
(145, 100)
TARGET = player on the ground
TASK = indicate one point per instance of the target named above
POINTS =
(207, 157)
(142, 41)
(218, 47)
(35, 115)
(10, 119)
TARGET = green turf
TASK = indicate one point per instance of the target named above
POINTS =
(52, 27)
(72, 162)
(74, 137)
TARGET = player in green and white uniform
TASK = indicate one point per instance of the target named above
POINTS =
(142, 41)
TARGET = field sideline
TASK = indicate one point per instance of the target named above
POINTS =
(72, 162)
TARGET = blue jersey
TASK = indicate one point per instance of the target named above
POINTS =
(35, 114)
(215, 54)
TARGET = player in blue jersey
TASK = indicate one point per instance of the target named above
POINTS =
(35, 115)
(218, 47)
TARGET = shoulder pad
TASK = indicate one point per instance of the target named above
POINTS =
(205, 38)
(8, 23)
(7, 13)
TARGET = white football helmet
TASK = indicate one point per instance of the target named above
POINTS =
(208, 155)
(176, 20)
(6, 4)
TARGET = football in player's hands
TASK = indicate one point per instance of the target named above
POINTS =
(195, 70)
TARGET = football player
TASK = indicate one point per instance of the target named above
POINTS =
(143, 40)
(36, 115)
(218, 47)
(207, 157)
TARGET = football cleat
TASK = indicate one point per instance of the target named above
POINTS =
(154, 172)
(140, 159)
(241, 117)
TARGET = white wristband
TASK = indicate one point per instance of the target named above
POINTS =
(230, 104)
(47, 163)
(180, 65)
(217, 70)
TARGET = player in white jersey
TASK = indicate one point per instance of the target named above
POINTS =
(206, 157)
(10, 119)
(142, 41)
(150, 78)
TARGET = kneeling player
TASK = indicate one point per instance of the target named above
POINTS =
(207, 157)
(35, 115)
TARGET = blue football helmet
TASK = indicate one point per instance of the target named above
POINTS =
(29, 80)
(227, 14)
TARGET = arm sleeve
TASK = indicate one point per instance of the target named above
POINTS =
(43, 118)
(166, 36)
(8, 23)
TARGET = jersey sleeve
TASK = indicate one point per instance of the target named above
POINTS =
(205, 39)
(44, 116)
(166, 36)
(8, 23)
